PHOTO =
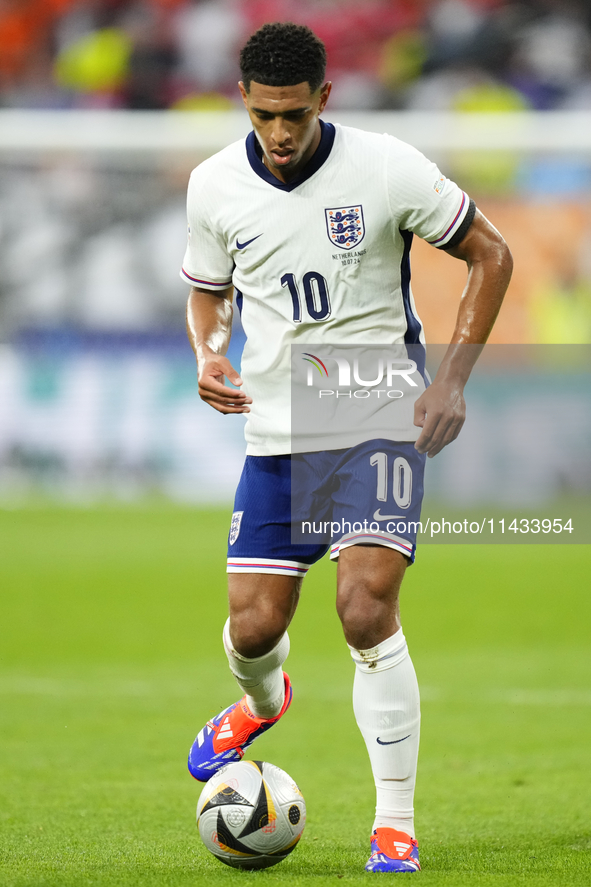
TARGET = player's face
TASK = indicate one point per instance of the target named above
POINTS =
(285, 121)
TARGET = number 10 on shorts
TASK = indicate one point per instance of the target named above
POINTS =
(401, 479)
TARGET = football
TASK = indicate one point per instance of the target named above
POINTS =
(251, 815)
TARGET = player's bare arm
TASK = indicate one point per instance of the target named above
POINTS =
(441, 410)
(209, 326)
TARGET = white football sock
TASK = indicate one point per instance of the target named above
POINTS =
(260, 678)
(387, 709)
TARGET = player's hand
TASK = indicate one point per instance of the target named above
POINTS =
(440, 411)
(213, 390)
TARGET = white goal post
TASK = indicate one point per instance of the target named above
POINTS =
(153, 132)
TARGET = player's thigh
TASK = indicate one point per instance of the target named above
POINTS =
(368, 588)
(261, 608)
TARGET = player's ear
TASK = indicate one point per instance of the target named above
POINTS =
(243, 93)
(324, 94)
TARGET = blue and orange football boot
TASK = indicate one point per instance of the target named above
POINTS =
(226, 737)
(393, 851)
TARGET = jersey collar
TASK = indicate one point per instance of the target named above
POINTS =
(255, 158)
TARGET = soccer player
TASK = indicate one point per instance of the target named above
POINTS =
(275, 219)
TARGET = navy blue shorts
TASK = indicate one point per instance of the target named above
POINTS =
(290, 510)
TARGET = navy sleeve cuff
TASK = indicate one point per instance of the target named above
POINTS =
(463, 229)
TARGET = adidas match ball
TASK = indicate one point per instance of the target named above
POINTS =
(251, 815)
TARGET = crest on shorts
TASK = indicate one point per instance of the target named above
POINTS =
(345, 225)
(235, 527)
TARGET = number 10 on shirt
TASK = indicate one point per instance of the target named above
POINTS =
(315, 293)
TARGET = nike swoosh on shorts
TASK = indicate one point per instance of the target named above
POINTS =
(378, 516)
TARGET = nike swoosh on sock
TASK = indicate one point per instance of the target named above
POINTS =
(393, 742)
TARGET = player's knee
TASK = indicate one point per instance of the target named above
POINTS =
(357, 621)
(364, 608)
(352, 603)
(255, 634)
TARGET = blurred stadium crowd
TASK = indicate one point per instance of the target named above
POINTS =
(97, 381)
(383, 54)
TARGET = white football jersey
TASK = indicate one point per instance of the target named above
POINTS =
(321, 259)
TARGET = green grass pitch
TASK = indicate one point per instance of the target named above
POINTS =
(110, 661)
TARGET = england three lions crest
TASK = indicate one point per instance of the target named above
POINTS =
(235, 527)
(345, 225)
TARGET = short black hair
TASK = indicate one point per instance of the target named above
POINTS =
(283, 54)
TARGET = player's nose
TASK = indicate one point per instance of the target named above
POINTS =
(280, 132)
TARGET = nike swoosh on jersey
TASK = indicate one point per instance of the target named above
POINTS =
(378, 516)
(242, 245)
(393, 742)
